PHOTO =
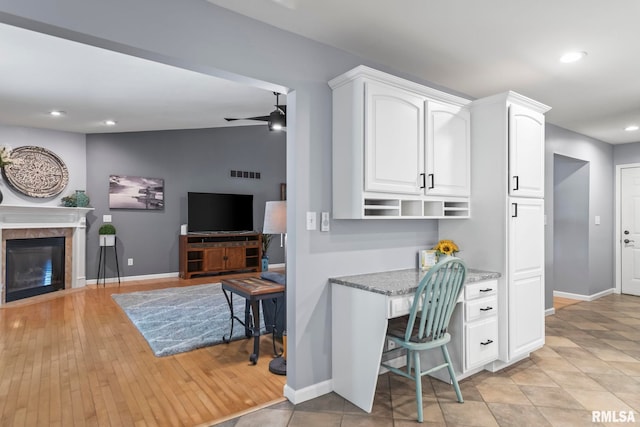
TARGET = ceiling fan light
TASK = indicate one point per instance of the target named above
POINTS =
(276, 121)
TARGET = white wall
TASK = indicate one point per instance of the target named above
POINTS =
(70, 147)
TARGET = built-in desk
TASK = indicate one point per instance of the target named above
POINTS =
(361, 306)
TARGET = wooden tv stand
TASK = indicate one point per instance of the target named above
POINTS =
(210, 253)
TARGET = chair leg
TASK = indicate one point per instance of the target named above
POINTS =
(418, 379)
(452, 374)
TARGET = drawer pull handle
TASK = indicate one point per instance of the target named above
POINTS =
(486, 290)
(487, 342)
(486, 309)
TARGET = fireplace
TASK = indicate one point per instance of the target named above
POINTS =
(34, 267)
(39, 223)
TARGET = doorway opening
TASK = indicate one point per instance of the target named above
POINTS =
(571, 227)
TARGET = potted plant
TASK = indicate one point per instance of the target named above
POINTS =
(107, 234)
(446, 249)
(266, 242)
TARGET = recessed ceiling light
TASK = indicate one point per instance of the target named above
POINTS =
(110, 122)
(57, 113)
(570, 57)
(631, 128)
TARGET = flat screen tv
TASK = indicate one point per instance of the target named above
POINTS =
(216, 212)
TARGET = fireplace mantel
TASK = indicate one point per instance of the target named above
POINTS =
(49, 217)
(33, 216)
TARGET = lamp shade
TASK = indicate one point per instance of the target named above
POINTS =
(275, 218)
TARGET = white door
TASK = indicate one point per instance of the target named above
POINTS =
(526, 276)
(526, 152)
(394, 140)
(448, 136)
(630, 229)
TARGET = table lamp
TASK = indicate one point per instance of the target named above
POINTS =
(275, 222)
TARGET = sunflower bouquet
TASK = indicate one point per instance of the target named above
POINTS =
(446, 247)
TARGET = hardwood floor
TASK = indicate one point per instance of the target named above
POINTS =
(560, 302)
(73, 358)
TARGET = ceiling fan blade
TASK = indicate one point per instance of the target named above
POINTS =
(259, 118)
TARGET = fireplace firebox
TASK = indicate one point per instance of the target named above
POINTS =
(34, 266)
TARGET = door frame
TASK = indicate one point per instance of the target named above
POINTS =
(617, 229)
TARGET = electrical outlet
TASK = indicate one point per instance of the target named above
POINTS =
(130, 261)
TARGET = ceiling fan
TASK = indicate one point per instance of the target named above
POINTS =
(277, 120)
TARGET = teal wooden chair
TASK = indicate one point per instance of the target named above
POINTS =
(426, 328)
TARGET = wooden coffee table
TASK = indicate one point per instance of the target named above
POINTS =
(253, 290)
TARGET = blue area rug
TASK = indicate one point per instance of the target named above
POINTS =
(175, 320)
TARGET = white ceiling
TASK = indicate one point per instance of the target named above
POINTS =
(474, 47)
(40, 73)
(484, 47)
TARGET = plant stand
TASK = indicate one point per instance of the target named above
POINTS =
(102, 261)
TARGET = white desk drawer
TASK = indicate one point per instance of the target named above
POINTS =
(480, 289)
(482, 342)
(481, 308)
(401, 305)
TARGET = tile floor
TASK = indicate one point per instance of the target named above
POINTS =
(591, 362)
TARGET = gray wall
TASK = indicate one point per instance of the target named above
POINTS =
(196, 35)
(571, 224)
(188, 160)
(599, 155)
(626, 153)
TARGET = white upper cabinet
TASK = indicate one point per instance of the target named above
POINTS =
(400, 149)
(448, 150)
(394, 134)
(526, 152)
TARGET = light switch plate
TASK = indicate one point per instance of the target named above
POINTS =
(324, 221)
(106, 218)
(597, 219)
(312, 221)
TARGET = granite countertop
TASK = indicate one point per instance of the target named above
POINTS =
(400, 282)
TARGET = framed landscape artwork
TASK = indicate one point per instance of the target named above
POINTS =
(136, 192)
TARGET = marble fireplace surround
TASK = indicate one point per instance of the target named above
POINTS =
(20, 222)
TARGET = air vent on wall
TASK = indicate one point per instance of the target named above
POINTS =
(245, 174)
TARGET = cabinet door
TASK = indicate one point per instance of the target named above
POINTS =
(394, 140)
(214, 259)
(235, 258)
(448, 160)
(526, 276)
(526, 152)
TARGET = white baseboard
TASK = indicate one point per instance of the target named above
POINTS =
(276, 265)
(308, 393)
(584, 297)
(132, 278)
(550, 311)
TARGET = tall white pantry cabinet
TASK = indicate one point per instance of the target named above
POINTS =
(505, 232)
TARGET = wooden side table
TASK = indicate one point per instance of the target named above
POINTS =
(253, 290)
